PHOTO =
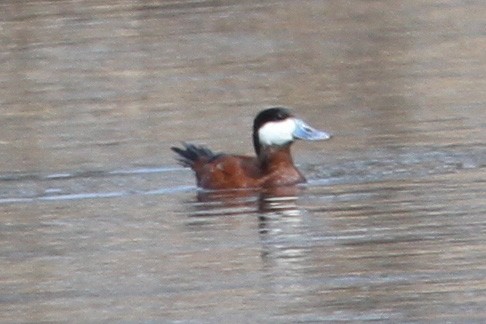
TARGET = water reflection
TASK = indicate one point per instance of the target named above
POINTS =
(282, 230)
(264, 201)
(284, 243)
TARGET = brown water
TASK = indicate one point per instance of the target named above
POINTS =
(98, 223)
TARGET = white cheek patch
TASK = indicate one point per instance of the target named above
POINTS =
(277, 133)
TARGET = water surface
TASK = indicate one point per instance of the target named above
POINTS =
(99, 223)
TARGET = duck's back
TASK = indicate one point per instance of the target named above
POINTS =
(222, 171)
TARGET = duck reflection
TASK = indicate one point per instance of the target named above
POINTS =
(263, 201)
(283, 231)
(281, 221)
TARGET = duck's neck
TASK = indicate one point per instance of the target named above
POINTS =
(275, 157)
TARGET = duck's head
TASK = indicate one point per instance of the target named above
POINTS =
(277, 126)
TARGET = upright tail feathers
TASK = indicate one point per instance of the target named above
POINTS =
(192, 153)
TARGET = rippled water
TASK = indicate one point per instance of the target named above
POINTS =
(98, 222)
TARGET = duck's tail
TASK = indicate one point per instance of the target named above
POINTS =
(191, 154)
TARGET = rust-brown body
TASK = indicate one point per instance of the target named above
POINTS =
(274, 167)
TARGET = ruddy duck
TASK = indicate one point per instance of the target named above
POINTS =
(274, 131)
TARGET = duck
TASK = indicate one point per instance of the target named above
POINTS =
(274, 131)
